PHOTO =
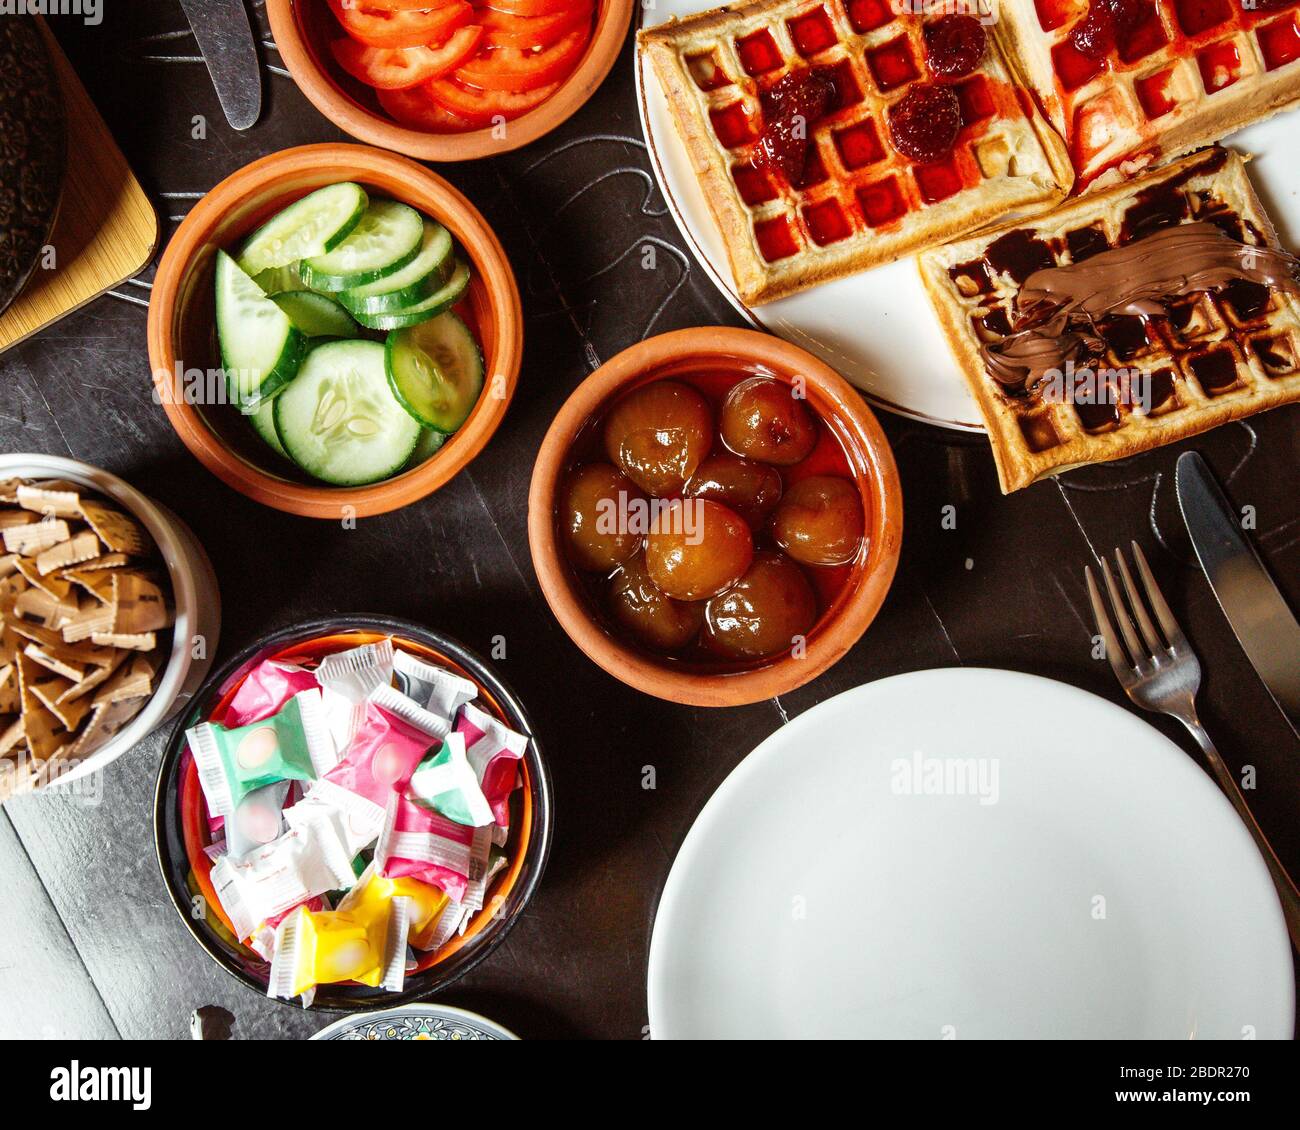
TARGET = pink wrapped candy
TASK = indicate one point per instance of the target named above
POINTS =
(494, 750)
(268, 687)
(354, 795)
(383, 755)
(425, 845)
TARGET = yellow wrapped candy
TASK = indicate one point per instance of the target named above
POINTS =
(375, 892)
(327, 946)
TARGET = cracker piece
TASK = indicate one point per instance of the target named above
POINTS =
(97, 676)
(57, 587)
(120, 532)
(90, 620)
(107, 561)
(97, 582)
(38, 605)
(139, 604)
(44, 732)
(69, 714)
(32, 537)
(105, 721)
(133, 679)
(51, 499)
(83, 546)
(142, 641)
(12, 736)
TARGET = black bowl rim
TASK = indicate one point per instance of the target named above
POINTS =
(329, 998)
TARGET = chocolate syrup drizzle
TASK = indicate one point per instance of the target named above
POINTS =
(1058, 309)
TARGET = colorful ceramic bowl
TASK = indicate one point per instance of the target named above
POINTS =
(182, 340)
(416, 1022)
(181, 827)
(304, 28)
(871, 464)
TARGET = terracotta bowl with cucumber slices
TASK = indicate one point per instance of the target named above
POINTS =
(335, 331)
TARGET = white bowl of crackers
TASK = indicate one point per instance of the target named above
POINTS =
(109, 619)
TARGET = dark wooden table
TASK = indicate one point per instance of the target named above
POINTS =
(89, 942)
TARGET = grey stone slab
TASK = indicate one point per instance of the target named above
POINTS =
(46, 992)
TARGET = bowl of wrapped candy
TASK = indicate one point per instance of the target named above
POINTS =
(352, 812)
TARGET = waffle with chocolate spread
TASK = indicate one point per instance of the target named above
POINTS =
(1179, 365)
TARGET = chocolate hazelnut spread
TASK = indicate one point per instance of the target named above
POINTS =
(1058, 309)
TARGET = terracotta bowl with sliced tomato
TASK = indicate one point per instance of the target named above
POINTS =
(449, 80)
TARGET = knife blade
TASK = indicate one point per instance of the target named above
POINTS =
(225, 37)
(1264, 626)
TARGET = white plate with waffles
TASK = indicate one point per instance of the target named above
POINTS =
(882, 868)
(878, 327)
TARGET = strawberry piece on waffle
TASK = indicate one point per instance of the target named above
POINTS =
(1132, 83)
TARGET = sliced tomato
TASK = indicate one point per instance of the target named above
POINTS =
(416, 110)
(380, 27)
(513, 68)
(481, 106)
(530, 7)
(398, 68)
(399, 5)
(536, 31)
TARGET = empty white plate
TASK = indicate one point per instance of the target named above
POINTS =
(967, 854)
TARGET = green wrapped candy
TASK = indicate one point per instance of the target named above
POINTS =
(294, 744)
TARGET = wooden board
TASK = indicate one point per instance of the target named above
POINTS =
(106, 230)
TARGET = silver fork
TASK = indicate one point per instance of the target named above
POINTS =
(1164, 678)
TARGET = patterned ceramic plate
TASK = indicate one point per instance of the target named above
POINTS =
(32, 151)
(416, 1022)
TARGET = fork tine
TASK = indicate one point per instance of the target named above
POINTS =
(1173, 633)
(1122, 615)
(1155, 645)
(1114, 649)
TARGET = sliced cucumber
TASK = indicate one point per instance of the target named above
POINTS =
(263, 420)
(423, 275)
(277, 280)
(261, 348)
(314, 225)
(387, 238)
(338, 420)
(316, 314)
(436, 371)
(426, 447)
(442, 299)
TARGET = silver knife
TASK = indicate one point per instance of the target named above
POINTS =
(225, 37)
(1265, 627)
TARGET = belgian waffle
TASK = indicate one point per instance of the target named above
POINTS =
(1218, 355)
(860, 203)
(1188, 74)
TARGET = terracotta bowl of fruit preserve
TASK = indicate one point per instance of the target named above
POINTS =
(851, 446)
(303, 30)
(182, 337)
